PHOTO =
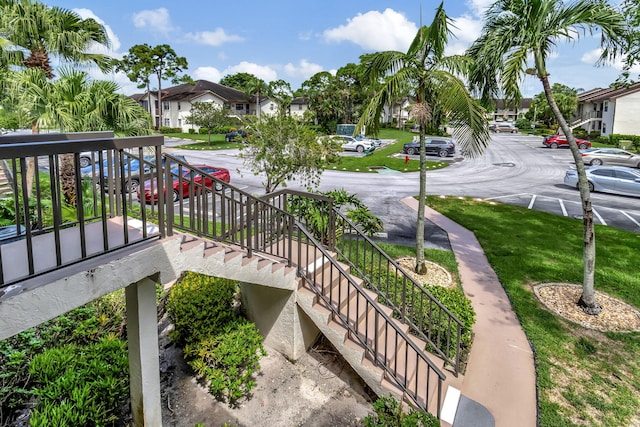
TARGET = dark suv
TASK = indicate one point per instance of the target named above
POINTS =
(439, 146)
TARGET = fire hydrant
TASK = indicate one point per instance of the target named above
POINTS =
(406, 160)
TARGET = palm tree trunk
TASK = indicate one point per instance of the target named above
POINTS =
(421, 266)
(31, 162)
(588, 300)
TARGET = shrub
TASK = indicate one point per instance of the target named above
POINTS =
(227, 361)
(458, 304)
(192, 131)
(167, 129)
(80, 385)
(199, 307)
(389, 413)
(203, 131)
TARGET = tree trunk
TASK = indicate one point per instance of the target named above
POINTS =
(421, 266)
(159, 100)
(31, 162)
(588, 300)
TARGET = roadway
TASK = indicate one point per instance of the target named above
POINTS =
(515, 169)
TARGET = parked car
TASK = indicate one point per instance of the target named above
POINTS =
(131, 170)
(503, 127)
(557, 141)
(439, 146)
(181, 186)
(349, 143)
(230, 136)
(608, 179)
(610, 156)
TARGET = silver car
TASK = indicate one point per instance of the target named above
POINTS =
(610, 156)
(608, 179)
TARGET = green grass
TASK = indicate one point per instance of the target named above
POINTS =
(380, 157)
(585, 377)
(217, 141)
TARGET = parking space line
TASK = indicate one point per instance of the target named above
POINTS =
(564, 210)
(631, 218)
(602, 221)
(533, 200)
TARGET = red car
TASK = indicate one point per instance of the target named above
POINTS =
(557, 141)
(181, 186)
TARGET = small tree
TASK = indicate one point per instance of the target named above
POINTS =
(283, 149)
(208, 115)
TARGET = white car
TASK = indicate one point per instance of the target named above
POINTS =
(350, 143)
(608, 179)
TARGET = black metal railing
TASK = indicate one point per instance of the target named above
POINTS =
(386, 344)
(53, 200)
(412, 303)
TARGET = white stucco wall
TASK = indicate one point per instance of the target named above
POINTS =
(627, 111)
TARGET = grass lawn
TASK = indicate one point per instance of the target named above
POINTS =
(217, 141)
(585, 377)
(380, 157)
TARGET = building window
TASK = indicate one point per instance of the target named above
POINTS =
(606, 106)
(180, 123)
(239, 107)
(178, 106)
(165, 105)
(271, 107)
(167, 122)
(299, 107)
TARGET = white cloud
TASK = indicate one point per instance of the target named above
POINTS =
(207, 73)
(213, 38)
(375, 31)
(157, 20)
(592, 56)
(305, 36)
(263, 72)
(467, 29)
(304, 69)
(478, 7)
(115, 41)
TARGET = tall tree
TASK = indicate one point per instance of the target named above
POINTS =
(280, 92)
(566, 98)
(256, 87)
(433, 79)
(516, 30)
(143, 61)
(32, 33)
(240, 81)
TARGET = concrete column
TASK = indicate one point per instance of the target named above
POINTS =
(144, 358)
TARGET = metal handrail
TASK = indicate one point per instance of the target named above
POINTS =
(384, 355)
(414, 299)
(416, 307)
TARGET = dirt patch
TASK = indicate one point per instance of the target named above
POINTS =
(562, 298)
(320, 389)
(436, 274)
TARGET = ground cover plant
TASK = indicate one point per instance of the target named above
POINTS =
(585, 377)
(222, 347)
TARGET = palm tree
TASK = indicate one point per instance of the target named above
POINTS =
(257, 86)
(74, 103)
(432, 79)
(45, 31)
(517, 30)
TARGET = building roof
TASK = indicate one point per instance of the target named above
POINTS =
(606, 94)
(188, 92)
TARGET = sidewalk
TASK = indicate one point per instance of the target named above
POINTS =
(500, 374)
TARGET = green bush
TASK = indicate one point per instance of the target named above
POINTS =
(192, 131)
(389, 413)
(167, 129)
(80, 385)
(227, 361)
(199, 306)
(458, 304)
(203, 131)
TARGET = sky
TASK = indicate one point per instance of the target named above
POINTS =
(294, 39)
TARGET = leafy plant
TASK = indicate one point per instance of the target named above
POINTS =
(80, 385)
(389, 413)
(227, 361)
(200, 306)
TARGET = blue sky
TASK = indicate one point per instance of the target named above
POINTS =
(292, 40)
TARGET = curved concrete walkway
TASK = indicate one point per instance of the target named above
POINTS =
(501, 373)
